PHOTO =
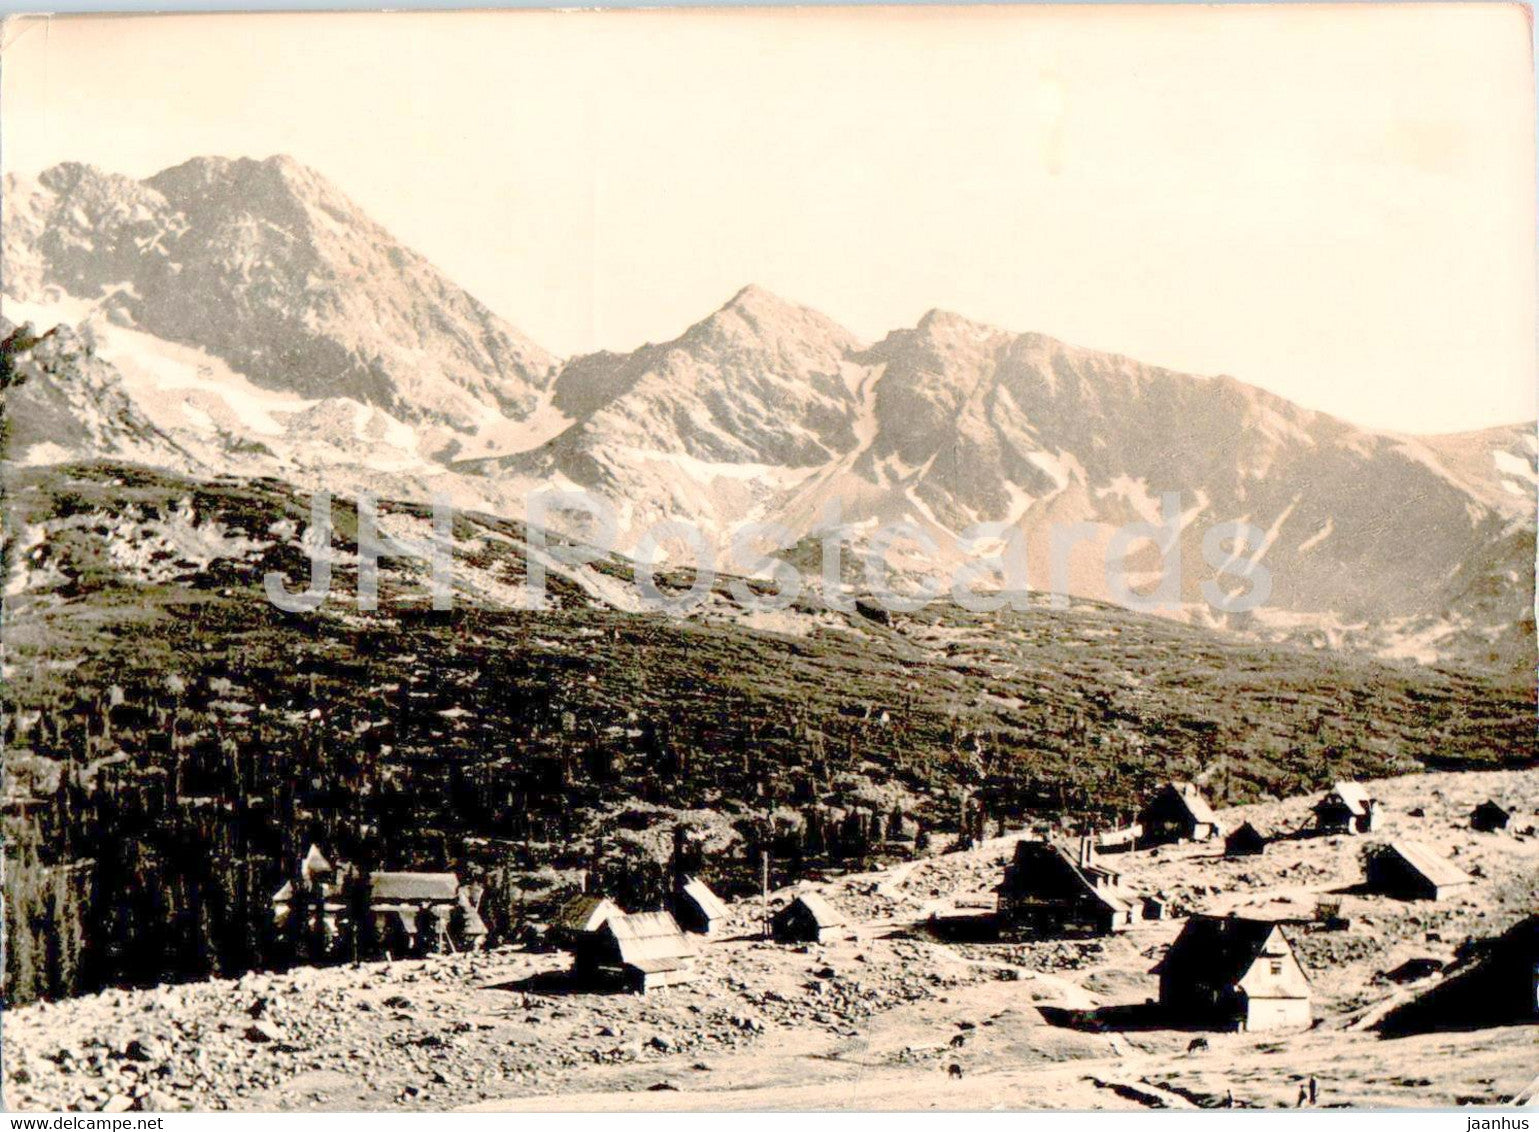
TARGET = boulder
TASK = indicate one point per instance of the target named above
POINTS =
(260, 1031)
(143, 1049)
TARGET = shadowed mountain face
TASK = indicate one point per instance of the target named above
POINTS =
(220, 277)
(267, 266)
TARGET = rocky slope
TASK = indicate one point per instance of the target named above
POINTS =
(60, 398)
(711, 427)
(267, 266)
(953, 423)
(146, 673)
(874, 1023)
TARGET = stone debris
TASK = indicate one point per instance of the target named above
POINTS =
(471, 1039)
(454, 1030)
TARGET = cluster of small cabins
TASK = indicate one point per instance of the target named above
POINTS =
(1048, 890)
(1222, 971)
(1228, 972)
(643, 951)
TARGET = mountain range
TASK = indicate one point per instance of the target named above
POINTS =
(244, 317)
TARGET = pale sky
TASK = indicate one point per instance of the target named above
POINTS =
(1335, 203)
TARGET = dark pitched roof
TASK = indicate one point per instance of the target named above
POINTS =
(1520, 941)
(1215, 950)
(1246, 834)
(1191, 798)
(1477, 989)
(824, 914)
(1036, 864)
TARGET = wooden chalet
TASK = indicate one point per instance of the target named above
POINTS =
(1346, 808)
(1047, 892)
(1178, 812)
(1233, 973)
(412, 913)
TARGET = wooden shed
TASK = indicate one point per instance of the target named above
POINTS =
(1346, 808)
(643, 951)
(1178, 812)
(1409, 870)
(696, 907)
(1246, 841)
(810, 919)
(1155, 907)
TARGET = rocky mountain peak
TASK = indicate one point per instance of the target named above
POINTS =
(754, 296)
(278, 189)
(763, 408)
(271, 268)
(758, 320)
(938, 323)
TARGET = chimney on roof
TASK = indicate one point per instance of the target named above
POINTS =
(1086, 851)
(676, 865)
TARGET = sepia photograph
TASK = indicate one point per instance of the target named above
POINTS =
(888, 558)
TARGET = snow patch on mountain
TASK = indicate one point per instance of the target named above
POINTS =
(267, 266)
(245, 317)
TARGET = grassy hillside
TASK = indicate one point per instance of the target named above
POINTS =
(178, 740)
